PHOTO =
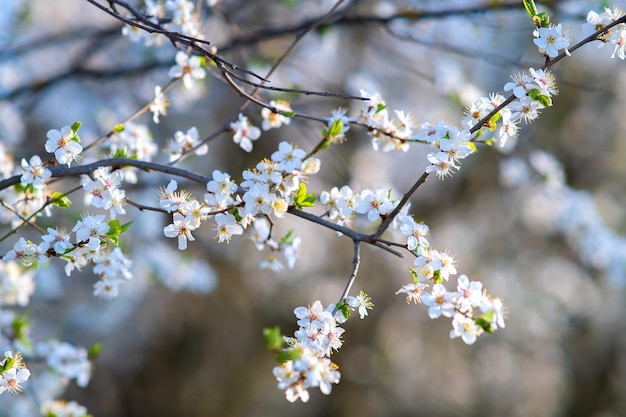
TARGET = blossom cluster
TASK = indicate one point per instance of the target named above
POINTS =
(388, 133)
(102, 190)
(174, 16)
(268, 190)
(184, 142)
(342, 205)
(94, 240)
(574, 213)
(31, 199)
(67, 360)
(57, 408)
(308, 352)
(616, 36)
(473, 311)
(532, 92)
(452, 143)
(92, 245)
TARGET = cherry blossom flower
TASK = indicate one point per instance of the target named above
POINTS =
(413, 292)
(273, 120)
(159, 105)
(415, 232)
(107, 288)
(185, 142)
(521, 84)
(550, 40)
(544, 81)
(11, 379)
(188, 68)
(91, 229)
(374, 204)
(26, 252)
(63, 145)
(226, 226)
(439, 302)
(465, 328)
(362, 302)
(181, 228)
(34, 172)
(287, 157)
(59, 239)
(245, 133)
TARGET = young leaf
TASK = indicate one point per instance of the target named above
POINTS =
(288, 355)
(120, 153)
(59, 200)
(94, 351)
(274, 341)
(302, 199)
(344, 308)
(484, 324)
(75, 126)
(115, 229)
(288, 238)
(531, 8)
(336, 128)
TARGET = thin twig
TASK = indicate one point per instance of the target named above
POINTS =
(356, 261)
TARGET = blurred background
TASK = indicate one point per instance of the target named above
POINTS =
(185, 336)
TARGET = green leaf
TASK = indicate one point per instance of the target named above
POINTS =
(120, 153)
(115, 240)
(414, 273)
(23, 189)
(530, 7)
(380, 107)
(534, 93)
(492, 124)
(302, 199)
(59, 200)
(289, 114)
(288, 238)
(116, 229)
(235, 212)
(118, 128)
(344, 308)
(544, 20)
(7, 364)
(94, 351)
(75, 128)
(274, 341)
(125, 226)
(484, 324)
(20, 325)
(289, 355)
(437, 278)
(545, 100)
(336, 128)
